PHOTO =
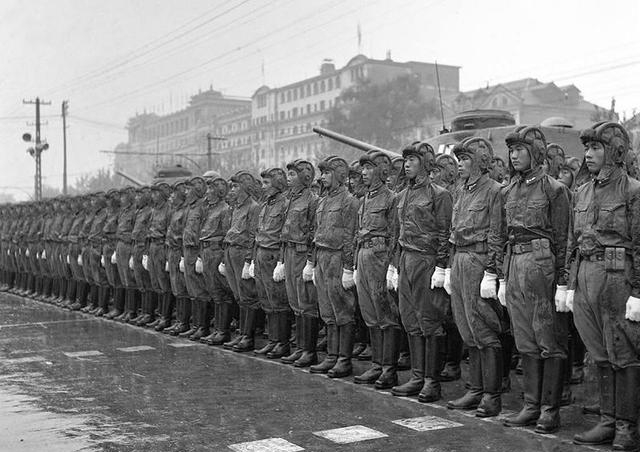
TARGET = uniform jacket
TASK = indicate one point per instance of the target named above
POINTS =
(176, 227)
(126, 221)
(300, 219)
(159, 223)
(216, 222)
(244, 224)
(110, 227)
(141, 225)
(377, 217)
(270, 221)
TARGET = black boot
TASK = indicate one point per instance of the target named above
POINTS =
(507, 342)
(552, 381)
(166, 311)
(370, 375)
(223, 331)
(184, 321)
(451, 371)
(404, 359)
(416, 382)
(118, 303)
(204, 319)
(605, 430)
(272, 332)
(191, 320)
(333, 346)
(103, 300)
(343, 367)
(283, 330)
(390, 351)
(136, 297)
(300, 337)
(492, 364)
(309, 337)
(626, 403)
(435, 352)
(532, 369)
(246, 343)
(471, 399)
(242, 315)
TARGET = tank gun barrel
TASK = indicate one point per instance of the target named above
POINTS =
(354, 143)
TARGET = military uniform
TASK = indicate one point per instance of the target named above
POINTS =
(140, 248)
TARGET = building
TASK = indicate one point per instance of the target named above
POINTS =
(530, 101)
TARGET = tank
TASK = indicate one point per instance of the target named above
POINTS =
(171, 173)
(495, 125)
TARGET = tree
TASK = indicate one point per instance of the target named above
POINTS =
(103, 180)
(386, 115)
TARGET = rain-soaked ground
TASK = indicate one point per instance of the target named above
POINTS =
(72, 382)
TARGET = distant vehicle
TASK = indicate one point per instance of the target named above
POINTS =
(494, 125)
(171, 173)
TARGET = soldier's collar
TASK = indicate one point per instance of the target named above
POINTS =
(531, 176)
(375, 190)
(339, 189)
(607, 173)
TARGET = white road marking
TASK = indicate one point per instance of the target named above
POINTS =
(266, 445)
(25, 359)
(44, 324)
(138, 348)
(182, 344)
(83, 354)
(426, 423)
(353, 434)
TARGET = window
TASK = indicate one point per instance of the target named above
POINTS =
(321, 105)
(295, 94)
(288, 96)
(330, 83)
(295, 112)
(338, 81)
(322, 86)
(308, 90)
(282, 115)
(315, 87)
(308, 108)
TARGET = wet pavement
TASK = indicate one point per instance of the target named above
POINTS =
(71, 382)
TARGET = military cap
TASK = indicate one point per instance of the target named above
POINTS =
(533, 138)
(612, 136)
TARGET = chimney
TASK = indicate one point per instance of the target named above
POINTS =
(327, 67)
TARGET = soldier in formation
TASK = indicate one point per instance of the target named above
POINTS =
(437, 252)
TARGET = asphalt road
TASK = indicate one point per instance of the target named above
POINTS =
(70, 382)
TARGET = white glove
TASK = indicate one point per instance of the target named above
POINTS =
(447, 280)
(44, 254)
(347, 279)
(355, 276)
(102, 261)
(246, 271)
(570, 295)
(633, 309)
(68, 260)
(502, 292)
(488, 285)
(166, 266)
(313, 276)
(222, 269)
(131, 262)
(38, 256)
(114, 258)
(199, 268)
(80, 260)
(252, 270)
(561, 299)
(437, 279)
(278, 272)
(392, 278)
(145, 262)
(307, 272)
(26, 253)
(181, 265)
(8, 252)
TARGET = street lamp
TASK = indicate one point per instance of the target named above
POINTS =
(35, 152)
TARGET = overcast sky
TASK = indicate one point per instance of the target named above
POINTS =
(114, 58)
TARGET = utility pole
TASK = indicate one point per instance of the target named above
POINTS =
(65, 107)
(209, 150)
(38, 148)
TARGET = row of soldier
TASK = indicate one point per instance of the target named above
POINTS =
(416, 253)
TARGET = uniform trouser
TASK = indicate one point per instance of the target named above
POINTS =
(537, 328)
(599, 309)
(302, 295)
(376, 305)
(275, 299)
(32, 260)
(178, 285)
(86, 266)
(123, 253)
(336, 305)
(143, 281)
(111, 270)
(76, 269)
(243, 289)
(479, 320)
(217, 285)
(98, 273)
(423, 310)
(160, 280)
(195, 282)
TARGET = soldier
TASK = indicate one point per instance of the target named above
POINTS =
(239, 242)
(605, 282)
(110, 241)
(100, 286)
(554, 159)
(84, 290)
(498, 171)
(537, 219)
(126, 221)
(297, 252)
(336, 222)
(214, 228)
(424, 217)
(196, 286)
(477, 237)
(74, 250)
(445, 173)
(375, 243)
(173, 242)
(139, 249)
(157, 254)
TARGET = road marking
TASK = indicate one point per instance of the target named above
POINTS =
(82, 354)
(138, 348)
(353, 434)
(426, 423)
(25, 359)
(44, 324)
(182, 344)
(266, 445)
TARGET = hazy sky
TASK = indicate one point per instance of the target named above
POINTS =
(114, 58)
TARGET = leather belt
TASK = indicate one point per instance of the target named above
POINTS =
(521, 248)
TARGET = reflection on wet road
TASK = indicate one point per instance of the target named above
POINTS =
(71, 382)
